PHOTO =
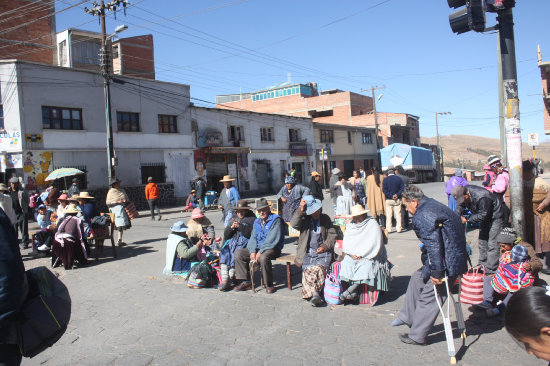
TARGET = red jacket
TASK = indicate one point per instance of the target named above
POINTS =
(151, 191)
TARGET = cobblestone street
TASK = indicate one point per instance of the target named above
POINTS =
(125, 312)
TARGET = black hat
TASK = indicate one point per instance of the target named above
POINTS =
(113, 181)
(261, 203)
(242, 205)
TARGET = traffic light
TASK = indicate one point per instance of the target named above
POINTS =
(493, 6)
(472, 17)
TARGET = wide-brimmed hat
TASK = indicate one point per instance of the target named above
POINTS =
(3, 187)
(357, 210)
(14, 180)
(63, 197)
(458, 193)
(72, 208)
(227, 178)
(507, 236)
(493, 159)
(113, 181)
(261, 203)
(242, 205)
(290, 180)
(335, 171)
(85, 195)
(74, 198)
(314, 174)
(179, 227)
(312, 204)
(197, 213)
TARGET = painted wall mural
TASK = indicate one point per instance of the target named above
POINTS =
(37, 165)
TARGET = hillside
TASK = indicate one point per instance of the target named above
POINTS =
(472, 151)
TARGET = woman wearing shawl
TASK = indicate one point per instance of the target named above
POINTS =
(236, 237)
(365, 258)
(291, 194)
(456, 180)
(376, 201)
(181, 252)
(69, 240)
(116, 200)
(315, 249)
(344, 195)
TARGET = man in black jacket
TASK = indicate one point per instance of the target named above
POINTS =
(315, 187)
(13, 290)
(443, 253)
(487, 210)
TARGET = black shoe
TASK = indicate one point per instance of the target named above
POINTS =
(225, 287)
(317, 301)
(404, 337)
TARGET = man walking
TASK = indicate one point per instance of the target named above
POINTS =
(20, 202)
(152, 197)
(315, 188)
(443, 254)
(489, 211)
(393, 187)
(265, 244)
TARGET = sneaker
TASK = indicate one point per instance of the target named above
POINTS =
(485, 305)
(491, 313)
(43, 248)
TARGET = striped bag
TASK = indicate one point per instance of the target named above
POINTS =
(471, 288)
(367, 296)
(333, 286)
(131, 210)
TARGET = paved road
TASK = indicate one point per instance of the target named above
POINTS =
(126, 313)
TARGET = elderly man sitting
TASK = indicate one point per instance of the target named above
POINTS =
(265, 244)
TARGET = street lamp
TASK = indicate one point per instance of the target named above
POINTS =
(439, 150)
(105, 71)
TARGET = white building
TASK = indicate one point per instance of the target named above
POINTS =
(55, 117)
(257, 148)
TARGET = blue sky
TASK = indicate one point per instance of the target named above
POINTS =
(228, 46)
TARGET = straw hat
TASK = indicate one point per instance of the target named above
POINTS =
(197, 213)
(227, 178)
(85, 195)
(3, 187)
(358, 210)
(72, 208)
(74, 198)
(314, 174)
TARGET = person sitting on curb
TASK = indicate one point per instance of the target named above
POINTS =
(443, 247)
(192, 201)
(265, 244)
(315, 249)
(181, 253)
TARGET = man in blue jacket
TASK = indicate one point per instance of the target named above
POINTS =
(393, 187)
(443, 247)
(265, 244)
(13, 290)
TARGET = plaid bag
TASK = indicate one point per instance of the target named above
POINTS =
(333, 286)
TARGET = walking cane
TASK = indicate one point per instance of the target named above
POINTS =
(447, 321)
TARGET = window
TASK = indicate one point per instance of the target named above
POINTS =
(266, 134)
(62, 52)
(293, 135)
(366, 138)
(155, 170)
(86, 52)
(127, 121)
(235, 133)
(349, 137)
(57, 118)
(168, 124)
(1, 117)
(115, 51)
(327, 136)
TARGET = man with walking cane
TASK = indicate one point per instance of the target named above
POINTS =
(443, 248)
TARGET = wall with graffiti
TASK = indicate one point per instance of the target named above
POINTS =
(36, 167)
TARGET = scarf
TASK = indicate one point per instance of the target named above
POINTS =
(363, 239)
(115, 196)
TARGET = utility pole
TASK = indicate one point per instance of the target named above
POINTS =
(439, 149)
(501, 107)
(505, 20)
(99, 10)
(376, 129)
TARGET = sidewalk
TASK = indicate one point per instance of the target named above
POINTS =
(126, 313)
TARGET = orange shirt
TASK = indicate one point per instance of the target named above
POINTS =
(151, 191)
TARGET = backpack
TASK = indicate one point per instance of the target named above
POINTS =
(201, 275)
(45, 314)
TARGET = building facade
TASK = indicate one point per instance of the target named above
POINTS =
(545, 78)
(27, 30)
(330, 106)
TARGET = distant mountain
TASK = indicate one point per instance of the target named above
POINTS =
(471, 152)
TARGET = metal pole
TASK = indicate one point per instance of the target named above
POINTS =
(441, 172)
(107, 95)
(512, 122)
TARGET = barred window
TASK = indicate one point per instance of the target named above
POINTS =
(168, 124)
(266, 134)
(59, 118)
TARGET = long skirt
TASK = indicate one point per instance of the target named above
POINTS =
(68, 252)
(313, 280)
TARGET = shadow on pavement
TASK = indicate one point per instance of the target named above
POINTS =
(125, 252)
(398, 288)
(147, 241)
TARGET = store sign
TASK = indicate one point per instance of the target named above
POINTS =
(209, 138)
(300, 149)
(533, 139)
(10, 141)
